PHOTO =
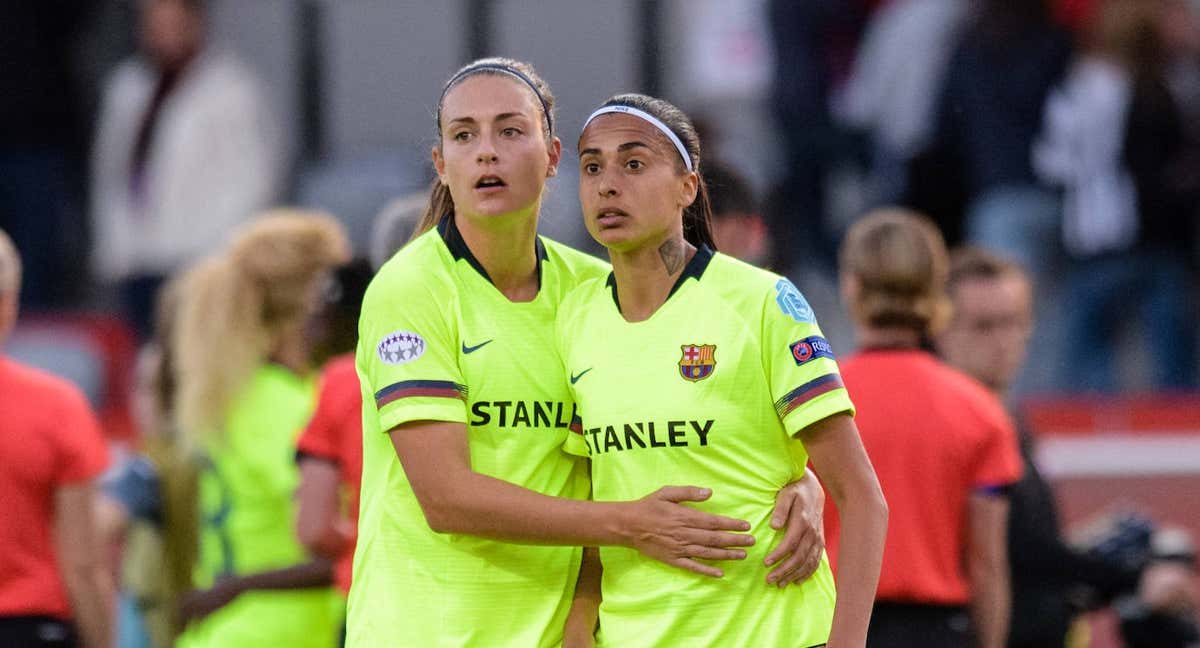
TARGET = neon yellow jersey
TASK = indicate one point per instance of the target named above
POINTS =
(707, 392)
(247, 489)
(437, 341)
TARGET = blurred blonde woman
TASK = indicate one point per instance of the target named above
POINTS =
(245, 389)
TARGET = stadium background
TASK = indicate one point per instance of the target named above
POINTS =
(354, 83)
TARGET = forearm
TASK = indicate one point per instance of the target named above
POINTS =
(91, 590)
(480, 505)
(838, 455)
(987, 568)
(991, 602)
(456, 499)
(860, 556)
(315, 573)
(317, 510)
(88, 580)
(584, 615)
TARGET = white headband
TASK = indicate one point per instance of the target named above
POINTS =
(654, 121)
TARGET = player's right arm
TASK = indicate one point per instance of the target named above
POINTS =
(456, 499)
(408, 356)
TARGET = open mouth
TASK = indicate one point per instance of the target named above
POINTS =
(489, 182)
(610, 216)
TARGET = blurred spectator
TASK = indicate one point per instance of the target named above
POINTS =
(242, 410)
(185, 148)
(394, 226)
(737, 222)
(892, 91)
(943, 448)
(987, 339)
(1161, 609)
(55, 589)
(1113, 140)
(42, 143)
(329, 452)
(149, 508)
(813, 44)
(1008, 59)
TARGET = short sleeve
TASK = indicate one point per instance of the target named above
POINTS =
(135, 484)
(337, 414)
(407, 352)
(82, 448)
(801, 369)
(574, 444)
(998, 457)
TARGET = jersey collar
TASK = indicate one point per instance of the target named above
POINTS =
(459, 250)
(693, 270)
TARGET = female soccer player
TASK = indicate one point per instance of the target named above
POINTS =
(689, 365)
(472, 537)
(943, 447)
(245, 390)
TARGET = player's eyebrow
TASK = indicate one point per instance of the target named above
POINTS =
(472, 120)
(620, 149)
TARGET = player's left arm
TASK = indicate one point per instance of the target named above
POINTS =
(584, 616)
(811, 399)
(836, 451)
(800, 513)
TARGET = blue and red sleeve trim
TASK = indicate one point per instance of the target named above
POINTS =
(415, 388)
(806, 392)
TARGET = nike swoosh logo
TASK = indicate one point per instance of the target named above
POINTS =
(575, 377)
(473, 349)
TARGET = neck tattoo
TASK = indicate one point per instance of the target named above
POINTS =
(672, 253)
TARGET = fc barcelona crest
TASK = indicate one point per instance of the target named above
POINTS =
(698, 361)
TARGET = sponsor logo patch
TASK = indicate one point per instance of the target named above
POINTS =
(792, 303)
(810, 348)
(698, 361)
(400, 347)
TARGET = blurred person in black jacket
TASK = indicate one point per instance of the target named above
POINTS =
(42, 143)
(987, 339)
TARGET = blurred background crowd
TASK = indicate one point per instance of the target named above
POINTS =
(1062, 135)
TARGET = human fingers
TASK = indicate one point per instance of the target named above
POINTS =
(782, 510)
(683, 493)
(697, 567)
(795, 568)
(713, 553)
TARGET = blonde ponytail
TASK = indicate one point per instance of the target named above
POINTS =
(232, 308)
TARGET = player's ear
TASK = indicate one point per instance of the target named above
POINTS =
(439, 163)
(555, 152)
(689, 187)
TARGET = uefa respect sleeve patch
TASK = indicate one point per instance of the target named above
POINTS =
(400, 347)
(810, 348)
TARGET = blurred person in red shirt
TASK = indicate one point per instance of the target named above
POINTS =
(55, 589)
(942, 445)
(329, 451)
